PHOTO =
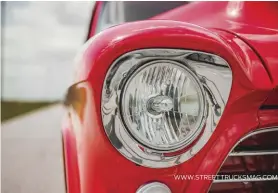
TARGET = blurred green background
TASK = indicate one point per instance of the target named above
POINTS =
(39, 41)
(10, 109)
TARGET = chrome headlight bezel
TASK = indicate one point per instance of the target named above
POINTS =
(203, 67)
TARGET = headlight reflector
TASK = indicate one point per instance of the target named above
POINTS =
(163, 105)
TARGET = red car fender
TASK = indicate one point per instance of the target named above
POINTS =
(241, 18)
(71, 169)
(100, 166)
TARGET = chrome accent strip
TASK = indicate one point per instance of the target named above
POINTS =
(254, 153)
(262, 130)
(214, 75)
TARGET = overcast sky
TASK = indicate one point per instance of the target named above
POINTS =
(40, 40)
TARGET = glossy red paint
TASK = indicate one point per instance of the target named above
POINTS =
(268, 118)
(100, 166)
(260, 31)
(272, 99)
(70, 158)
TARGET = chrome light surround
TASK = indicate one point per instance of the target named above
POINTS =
(154, 187)
(212, 73)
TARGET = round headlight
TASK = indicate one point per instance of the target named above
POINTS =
(159, 107)
(162, 105)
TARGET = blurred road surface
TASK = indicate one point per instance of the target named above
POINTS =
(31, 152)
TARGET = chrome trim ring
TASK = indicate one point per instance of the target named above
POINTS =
(203, 109)
(214, 75)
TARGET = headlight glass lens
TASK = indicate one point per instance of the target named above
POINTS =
(163, 105)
